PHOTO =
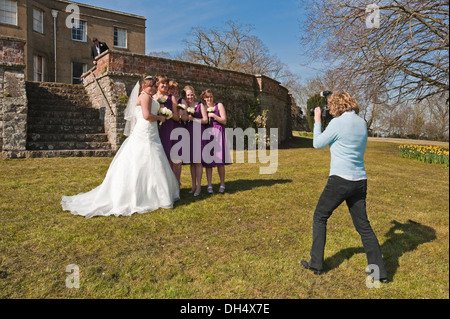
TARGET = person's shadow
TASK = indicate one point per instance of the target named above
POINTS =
(402, 238)
(232, 187)
(296, 142)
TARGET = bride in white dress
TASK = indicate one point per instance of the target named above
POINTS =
(139, 179)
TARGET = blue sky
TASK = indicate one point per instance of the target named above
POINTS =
(276, 23)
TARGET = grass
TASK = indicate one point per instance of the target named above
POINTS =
(247, 243)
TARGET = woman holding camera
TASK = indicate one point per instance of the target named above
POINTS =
(347, 136)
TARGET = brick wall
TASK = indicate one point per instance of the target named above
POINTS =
(117, 74)
(11, 51)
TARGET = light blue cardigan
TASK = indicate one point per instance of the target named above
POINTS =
(347, 137)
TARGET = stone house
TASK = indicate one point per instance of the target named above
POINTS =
(53, 51)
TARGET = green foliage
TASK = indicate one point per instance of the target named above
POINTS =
(253, 111)
(311, 103)
(123, 99)
(305, 134)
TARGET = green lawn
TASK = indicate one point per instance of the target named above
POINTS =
(247, 243)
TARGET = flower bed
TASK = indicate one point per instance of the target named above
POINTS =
(427, 154)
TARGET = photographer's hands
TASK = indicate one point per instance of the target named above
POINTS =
(317, 115)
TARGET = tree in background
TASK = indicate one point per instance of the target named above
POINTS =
(406, 56)
(397, 70)
(313, 102)
(234, 48)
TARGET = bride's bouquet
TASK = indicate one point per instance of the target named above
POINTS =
(164, 111)
(211, 109)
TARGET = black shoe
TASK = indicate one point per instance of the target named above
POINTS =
(382, 280)
(306, 265)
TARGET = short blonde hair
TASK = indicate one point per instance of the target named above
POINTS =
(341, 102)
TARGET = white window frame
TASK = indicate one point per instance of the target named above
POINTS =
(39, 77)
(38, 22)
(118, 45)
(84, 34)
(8, 12)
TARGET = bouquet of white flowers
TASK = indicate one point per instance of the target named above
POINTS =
(164, 111)
(162, 100)
(211, 109)
(181, 107)
(191, 111)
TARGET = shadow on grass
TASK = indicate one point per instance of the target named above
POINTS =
(296, 142)
(232, 187)
(402, 239)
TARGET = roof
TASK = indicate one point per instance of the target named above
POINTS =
(103, 9)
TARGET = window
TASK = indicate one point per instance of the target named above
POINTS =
(120, 37)
(8, 12)
(38, 68)
(77, 70)
(38, 20)
(79, 34)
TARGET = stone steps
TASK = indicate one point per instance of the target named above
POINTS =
(63, 129)
(62, 112)
(57, 104)
(68, 145)
(62, 123)
(69, 153)
(80, 137)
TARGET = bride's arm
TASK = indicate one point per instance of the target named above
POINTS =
(146, 103)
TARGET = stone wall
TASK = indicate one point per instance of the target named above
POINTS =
(13, 99)
(116, 73)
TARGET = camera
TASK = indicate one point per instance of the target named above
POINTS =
(326, 116)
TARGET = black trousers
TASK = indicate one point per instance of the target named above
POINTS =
(354, 193)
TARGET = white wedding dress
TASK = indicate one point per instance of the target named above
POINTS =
(139, 179)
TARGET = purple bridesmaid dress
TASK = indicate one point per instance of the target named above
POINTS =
(166, 128)
(219, 154)
(195, 132)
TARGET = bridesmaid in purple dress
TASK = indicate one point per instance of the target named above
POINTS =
(167, 127)
(219, 155)
(195, 127)
(183, 117)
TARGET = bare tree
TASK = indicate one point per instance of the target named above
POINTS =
(215, 47)
(233, 48)
(406, 56)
